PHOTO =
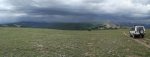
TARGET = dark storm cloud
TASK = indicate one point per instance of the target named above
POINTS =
(74, 10)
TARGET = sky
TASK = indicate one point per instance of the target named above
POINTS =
(75, 10)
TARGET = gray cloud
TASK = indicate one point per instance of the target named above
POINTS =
(74, 10)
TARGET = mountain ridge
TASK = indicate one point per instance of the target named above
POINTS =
(67, 25)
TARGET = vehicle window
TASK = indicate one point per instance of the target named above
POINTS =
(140, 28)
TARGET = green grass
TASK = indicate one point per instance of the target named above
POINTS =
(29, 42)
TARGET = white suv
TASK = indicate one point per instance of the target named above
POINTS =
(137, 31)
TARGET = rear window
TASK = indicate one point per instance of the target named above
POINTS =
(140, 28)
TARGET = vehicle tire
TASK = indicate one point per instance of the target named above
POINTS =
(134, 36)
(142, 36)
(131, 35)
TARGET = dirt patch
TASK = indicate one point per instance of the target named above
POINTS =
(133, 56)
(89, 44)
(140, 41)
(88, 54)
(39, 47)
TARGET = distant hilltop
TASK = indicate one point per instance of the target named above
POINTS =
(73, 26)
(110, 24)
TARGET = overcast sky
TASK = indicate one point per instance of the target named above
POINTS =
(74, 10)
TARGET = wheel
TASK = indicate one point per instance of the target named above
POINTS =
(142, 36)
(134, 36)
(130, 35)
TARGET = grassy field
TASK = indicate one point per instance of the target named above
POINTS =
(32, 42)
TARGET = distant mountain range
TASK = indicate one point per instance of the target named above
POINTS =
(52, 25)
(67, 26)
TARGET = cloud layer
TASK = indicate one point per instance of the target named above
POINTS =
(74, 10)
